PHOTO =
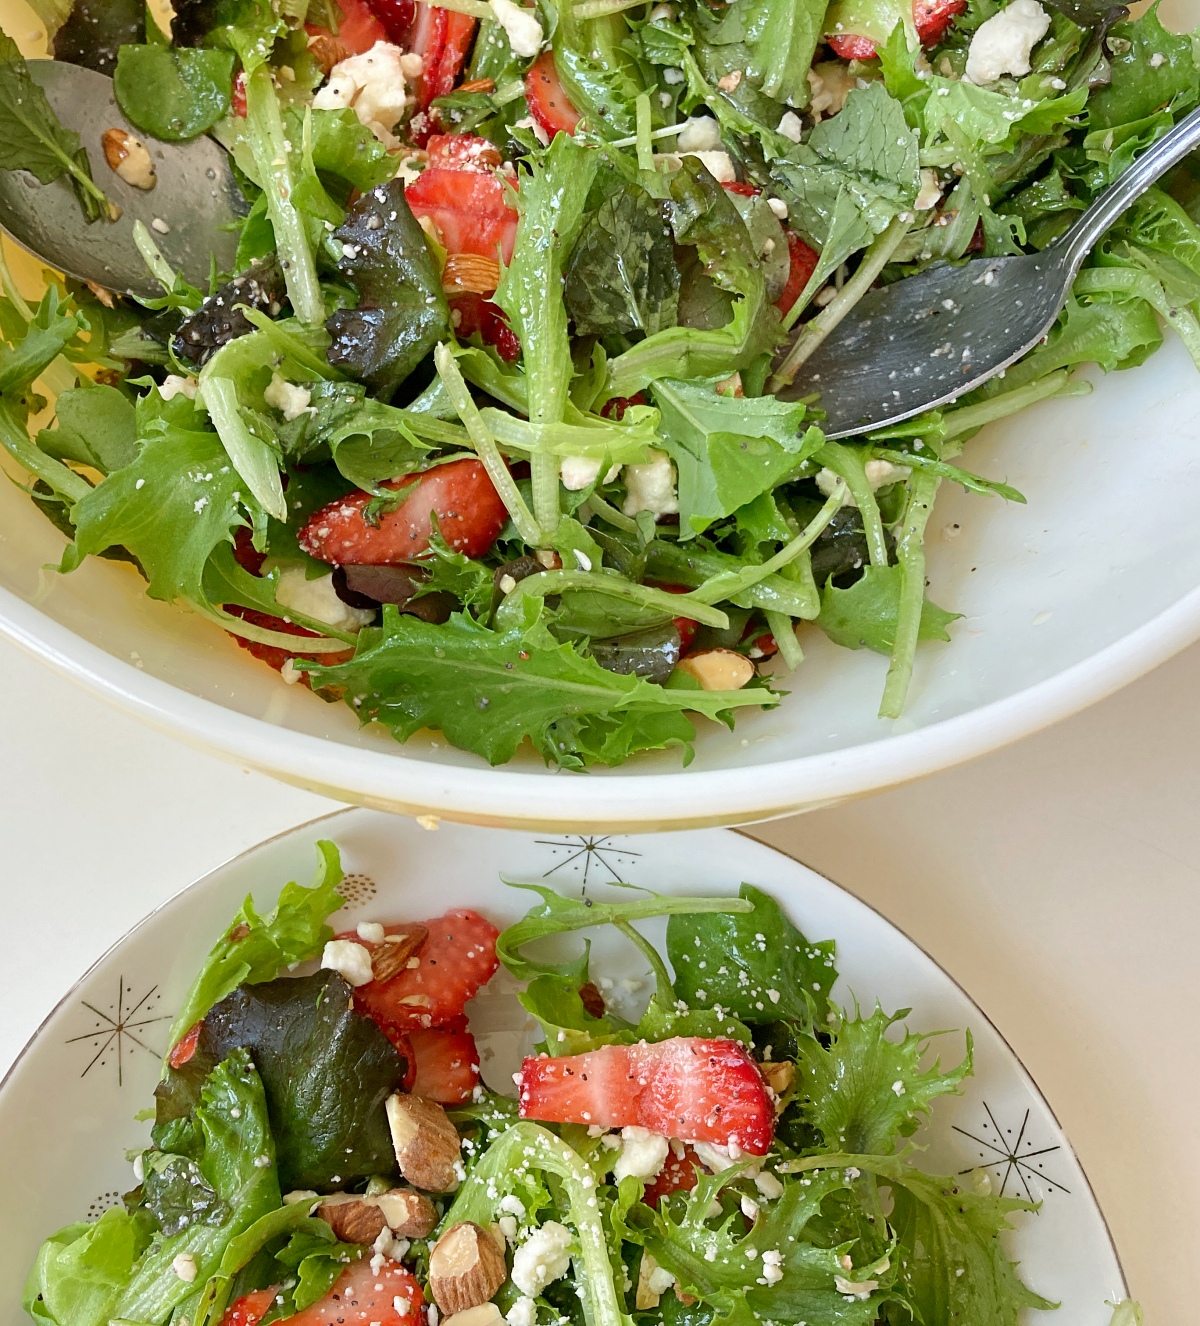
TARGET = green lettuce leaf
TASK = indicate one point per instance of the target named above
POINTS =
(1151, 68)
(173, 94)
(865, 615)
(258, 947)
(756, 964)
(97, 426)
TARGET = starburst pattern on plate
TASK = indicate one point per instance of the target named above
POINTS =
(1012, 1158)
(588, 855)
(119, 1030)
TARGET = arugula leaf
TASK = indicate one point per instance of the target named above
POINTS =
(622, 275)
(96, 426)
(257, 948)
(728, 450)
(864, 1091)
(402, 313)
(173, 94)
(694, 563)
(489, 690)
(855, 174)
(866, 614)
(326, 1071)
(703, 217)
(33, 138)
(757, 964)
(171, 507)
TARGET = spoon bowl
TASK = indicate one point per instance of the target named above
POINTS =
(191, 211)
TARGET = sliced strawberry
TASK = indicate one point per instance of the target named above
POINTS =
(455, 961)
(238, 96)
(469, 515)
(470, 208)
(615, 407)
(442, 38)
(273, 655)
(931, 17)
(677, 1175)
(396, 17)
(399, 1039)
(357, 31)
(245, 553)
(476, 313)
(686, 627)
(547, 99)
(742, 189)
(463, 152)
(250, 1309)
(447, 1065)
(689, 1087)
(364, 1296)
(185, 1047)
(804, 263)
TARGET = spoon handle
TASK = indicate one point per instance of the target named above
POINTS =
(1168, 151)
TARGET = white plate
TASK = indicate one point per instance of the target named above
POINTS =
(67, 1106)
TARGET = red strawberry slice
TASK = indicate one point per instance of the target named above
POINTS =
(686, 627)
(931, 17)
(273, 655)
(804, 263)
(473, 313)
(470, 208)
(250, 1309)
(442, 37)
(547, 99)
(185, 1047)
(677, 1175)
(396, 17)
(689, 1087)
(469, 515)
(364, 1296)
(463, 152)
(455, 961)
(447, 1065)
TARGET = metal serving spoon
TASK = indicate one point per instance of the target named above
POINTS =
(926, 340)
(190, 212)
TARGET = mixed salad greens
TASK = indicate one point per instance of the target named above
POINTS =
(324, 1150)
(483, 433)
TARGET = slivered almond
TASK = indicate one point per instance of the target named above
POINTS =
(391, 957)
(470, 272)
(780, 1077)
(465, 1268)
(425, 1141)
(478, 85)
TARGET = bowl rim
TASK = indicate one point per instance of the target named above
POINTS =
(618, 802)
(978, 1013)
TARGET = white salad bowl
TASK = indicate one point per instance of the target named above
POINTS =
(1065, 599)
(68, 1105)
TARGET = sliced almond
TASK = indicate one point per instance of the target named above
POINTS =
(352, 1219)
(470, 272)
(390, 958)
(115, 151)
(486, 1314)
(718, 669)
(409, 1214)
(130, 158)
(465, 1268)
(425, 1141)
(478, 85)
(327, 50)
(780, 1077)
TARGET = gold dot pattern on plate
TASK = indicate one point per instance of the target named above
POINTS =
(358, 889)
(103, 1203)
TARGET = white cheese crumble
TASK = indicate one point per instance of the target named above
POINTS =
(700, 133)
(372, 84)
(525, 35)
(523, 1312)
(543, 1258)
(651, 487)
(791, 126)
(879, 473)
(772, 1266)
(176, 385)
(718, 164)
(528, 122)
(1003, 44)
(930, 192)
(779, 208)
(643, 1154)
(371, 931)
(318, 599)
(858, 1289)
(660, 1280)
(184, 1266)
(348, 959)
(580, 472)
(289, 399)
(768, 1185)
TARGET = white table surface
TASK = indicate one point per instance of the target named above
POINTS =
(1058, 881)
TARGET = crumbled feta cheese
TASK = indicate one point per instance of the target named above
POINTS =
(176, 385)
(830, 83)
(525, 35)
(513, 1205)
(348, 959)
(858, 1289)
(772, 1266)
(930, 193)
(779, 208)
(579, 472)
(879, 473)
(543, 1258)
(373, 85)
(160, 225)
(371, 931)
(651, 487)
(768, 1185)
(528, 122)
(700, 133)
(523, 1313)
(139, 1168)
(673, 76)
(1157, 60)
(660, 1280)
(508, 1227)
(791, 126)
(184, 1266)
(318, 599)
(289, 399)
(712, 1156)
(643, 1154)
(290, 673)
(718, 164)
(1003, 43)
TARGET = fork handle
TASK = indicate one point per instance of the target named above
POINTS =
(1168, 151)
